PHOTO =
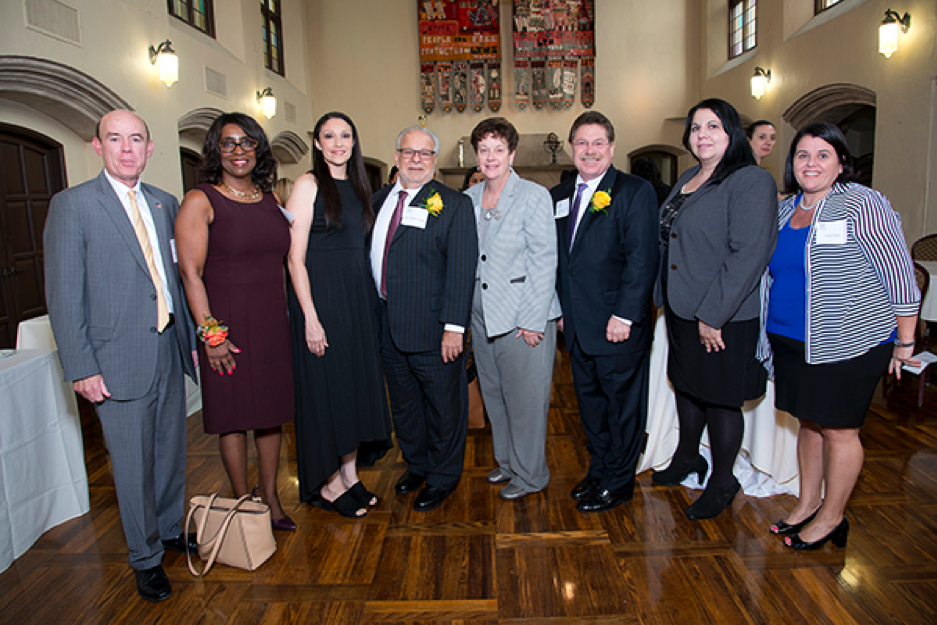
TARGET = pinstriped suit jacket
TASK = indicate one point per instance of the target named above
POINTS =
(430, 271)
(101, 299)
(612, 267)
(517, 259)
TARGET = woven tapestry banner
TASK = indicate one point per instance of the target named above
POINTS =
(554, 52)
(460, 54)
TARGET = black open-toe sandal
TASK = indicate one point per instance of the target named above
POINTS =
(346, 505)
(363, 496)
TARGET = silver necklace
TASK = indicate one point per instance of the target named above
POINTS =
(242, 195)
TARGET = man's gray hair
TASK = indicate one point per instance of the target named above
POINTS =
(419, 128)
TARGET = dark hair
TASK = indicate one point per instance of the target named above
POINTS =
(498, 127)
(593, 117)
(265, 167)
(752, 127)
(331, 199)
(390, 176)
(832, 135)
(645, 167)
(468, 176)
(739, 153)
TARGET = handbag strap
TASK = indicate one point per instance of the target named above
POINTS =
(219, 537)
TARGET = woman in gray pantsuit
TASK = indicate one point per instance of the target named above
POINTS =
(515, 309)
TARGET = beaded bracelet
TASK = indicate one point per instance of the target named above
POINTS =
(211, 332)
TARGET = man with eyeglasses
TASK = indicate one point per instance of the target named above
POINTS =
(125, 336)
(423, 254)
(606, 226)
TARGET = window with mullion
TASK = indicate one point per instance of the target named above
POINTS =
(743, 26)
(273, 35)
(822, 5)
(196, 13)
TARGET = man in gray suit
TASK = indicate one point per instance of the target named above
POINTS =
(124, 335)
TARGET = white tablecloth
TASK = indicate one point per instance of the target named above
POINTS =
(37, 332)
(42, 468)
(767, 464)
(929, 305)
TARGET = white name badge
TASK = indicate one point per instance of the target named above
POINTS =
(831, 232)
(562, 209)
(172, 247)
(414, 216)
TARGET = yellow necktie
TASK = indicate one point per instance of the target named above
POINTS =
(162, 308)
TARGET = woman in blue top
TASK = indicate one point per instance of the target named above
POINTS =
(843, 309)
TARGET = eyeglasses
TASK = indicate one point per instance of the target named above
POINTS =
(228, 144)
(407, 153)
(598, 144)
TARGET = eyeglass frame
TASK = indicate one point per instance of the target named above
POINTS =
(238, 143)
(424, 154)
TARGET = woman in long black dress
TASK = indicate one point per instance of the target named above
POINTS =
(232, 239)
(340, 398)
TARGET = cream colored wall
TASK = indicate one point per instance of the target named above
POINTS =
(805, 52)
(115, 38)
(369, 69)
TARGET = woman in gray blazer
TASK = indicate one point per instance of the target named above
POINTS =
(514, 310)
(718, 228)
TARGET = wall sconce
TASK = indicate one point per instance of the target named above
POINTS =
(760, 80)
(166, 61)
(268, 102)
(888, 32)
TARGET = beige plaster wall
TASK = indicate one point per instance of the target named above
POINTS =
(369, 69)
(115, 38)
(841, 46)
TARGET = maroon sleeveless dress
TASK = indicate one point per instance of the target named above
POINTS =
(244, 278)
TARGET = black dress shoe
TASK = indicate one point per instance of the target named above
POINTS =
(602, 501)
(152, 584)
(409, 483)
(431, 498)
(178, 543)
(587, 487)
(676, 472)
(712, 502)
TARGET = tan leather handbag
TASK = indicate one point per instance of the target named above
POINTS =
(236, 532)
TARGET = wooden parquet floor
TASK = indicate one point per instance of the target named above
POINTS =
(478, 559)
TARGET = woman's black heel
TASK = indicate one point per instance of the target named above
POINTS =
(838, 536)
(674, 474)
(782, 528)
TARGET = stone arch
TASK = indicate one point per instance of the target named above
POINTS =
(831, 103)
(65, 94)
(288, 147)
(194, 125)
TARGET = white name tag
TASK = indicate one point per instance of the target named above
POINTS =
(562, 209)
(172, 247)
(414, 216)
(831, 232)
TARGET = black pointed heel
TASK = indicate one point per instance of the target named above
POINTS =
(674, 474)
(782, 528)
(838, 536)
(712, 502)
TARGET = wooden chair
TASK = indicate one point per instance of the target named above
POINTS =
(925, 248)
(920, 334)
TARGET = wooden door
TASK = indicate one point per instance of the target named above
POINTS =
(31, 172)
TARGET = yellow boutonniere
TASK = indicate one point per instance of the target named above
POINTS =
(433, 204)
(600, 201)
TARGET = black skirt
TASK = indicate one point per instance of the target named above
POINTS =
(729, 377)
(836, 394)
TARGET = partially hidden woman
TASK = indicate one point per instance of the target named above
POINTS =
(718, 229)
(232, 242)
(762, 136)
(842, 243)
(514, 310)
(341, 406)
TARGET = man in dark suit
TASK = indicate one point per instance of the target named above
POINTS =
(606, 225)
(124, 335)
(423, 253)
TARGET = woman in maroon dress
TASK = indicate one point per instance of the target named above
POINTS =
(232, 240)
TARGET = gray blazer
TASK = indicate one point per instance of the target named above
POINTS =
(720, 244)
(101, 300)
(517, 259)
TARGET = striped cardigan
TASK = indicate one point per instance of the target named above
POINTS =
(857, 288)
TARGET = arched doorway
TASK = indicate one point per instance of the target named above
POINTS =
(31, 171)
(850, 107)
